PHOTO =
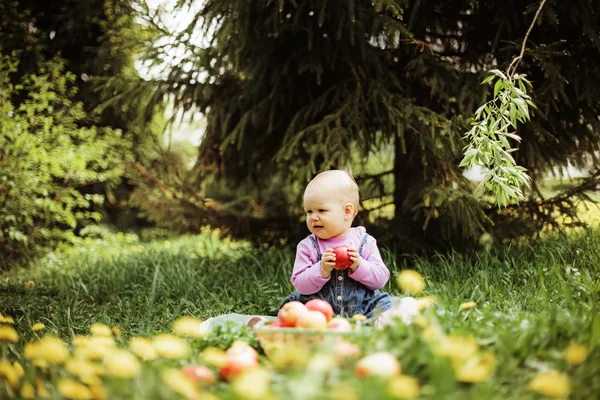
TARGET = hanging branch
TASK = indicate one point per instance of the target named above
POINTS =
(496, 122)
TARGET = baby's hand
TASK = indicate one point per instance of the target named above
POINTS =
(354, 257)
(328, 260)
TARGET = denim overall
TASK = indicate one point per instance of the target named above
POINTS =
(346, 296)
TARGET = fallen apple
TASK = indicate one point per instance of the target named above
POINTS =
(381, 364)
(321, 306)
(240, 357)
(199, 373)
(342, 259)
(344, 351)
(289, 313)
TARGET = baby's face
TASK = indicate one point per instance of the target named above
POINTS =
(326, 216)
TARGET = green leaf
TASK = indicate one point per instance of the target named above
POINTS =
(498, 87)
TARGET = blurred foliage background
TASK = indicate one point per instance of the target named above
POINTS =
(94, 95)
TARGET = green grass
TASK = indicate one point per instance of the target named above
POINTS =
(532, 301)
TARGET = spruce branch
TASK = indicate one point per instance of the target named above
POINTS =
(494, 124)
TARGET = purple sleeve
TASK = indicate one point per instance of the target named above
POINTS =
(371, 271)
(307, 277)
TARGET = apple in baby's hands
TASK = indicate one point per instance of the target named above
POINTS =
(289, 313)
(342, 259)
(321, 306)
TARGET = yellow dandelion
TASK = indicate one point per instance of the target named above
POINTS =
(30, 284)
(403, 387)
(432, 334)
(425, 302)
(98, 392)
(98, 329)
(80, 341)
(252, 384)
(167, 244)
(38, 326)
(171, 346)
(18, 369)
(7, 319)
(116, 331)
(72, 389)
(10, 375)
(213, 356)
(95, 347)
(359, 317)
(27, 391)
(478, 368)
(457, 348)
(410, 281)
(343, 392)
(292, 355)
(85, 370)
(49, 349)
(42, 392)
(143, 348)
(188, 326)
(180, 384)
(551, 384)
(39, 363)
(122, 364)
(575, 353)
(467, 305)
(421, 321)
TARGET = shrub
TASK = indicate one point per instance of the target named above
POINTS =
(47, 155)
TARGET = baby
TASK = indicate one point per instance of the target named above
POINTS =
(331, 203)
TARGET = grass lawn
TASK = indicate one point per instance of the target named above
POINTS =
(532, 302)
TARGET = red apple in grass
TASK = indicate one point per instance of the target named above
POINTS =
(344, 351)
(381, 364)
(240, 357)
(342, 259)
(321, 306)
(289, 313)
(312, 319)
(199, 373)
(339, 324)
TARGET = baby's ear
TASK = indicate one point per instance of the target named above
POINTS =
(349, 210)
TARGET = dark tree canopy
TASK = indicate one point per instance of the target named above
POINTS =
(292, 87)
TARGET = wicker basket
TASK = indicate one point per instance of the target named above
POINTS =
(273, 339)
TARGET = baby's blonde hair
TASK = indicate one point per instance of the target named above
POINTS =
(346, 187)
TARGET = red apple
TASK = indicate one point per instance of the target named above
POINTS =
(381, 364)
(289, 313)
(240, 357)
(339, 324)
(199, 373)
(344, 351)
(342, 259)
(321, 306)
(312, 319)
(276, 324)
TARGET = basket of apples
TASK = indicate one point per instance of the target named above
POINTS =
(307, 324)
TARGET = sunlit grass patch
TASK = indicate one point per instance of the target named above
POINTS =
(114, 321)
